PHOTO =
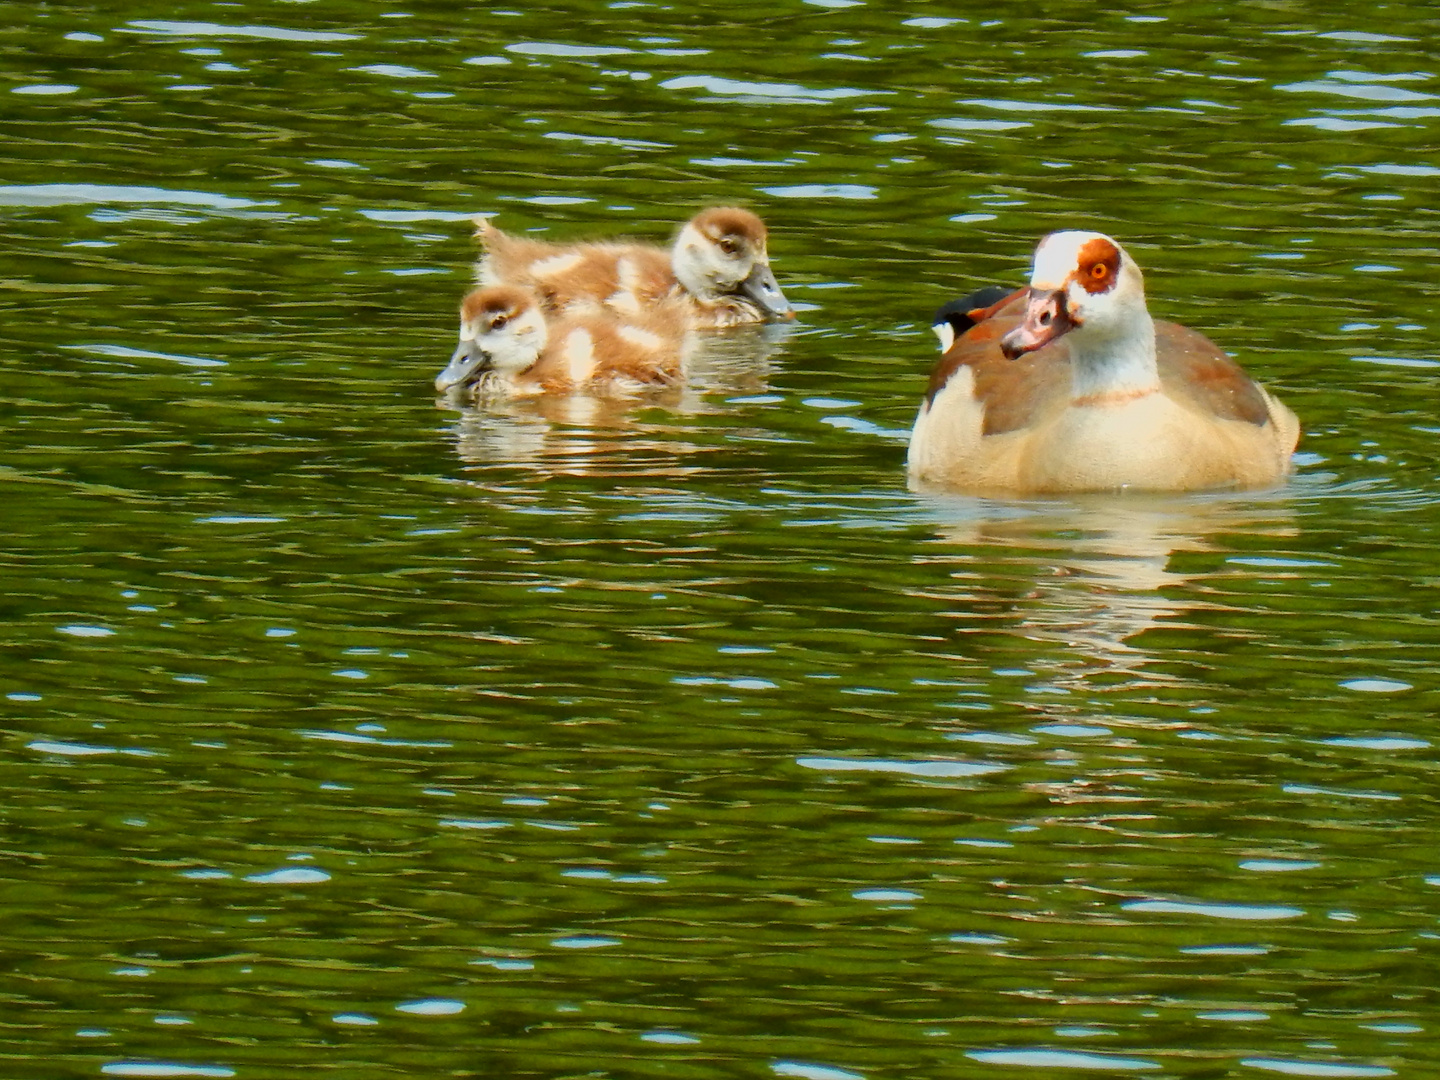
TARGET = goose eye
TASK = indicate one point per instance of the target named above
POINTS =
(728, 246)
(1098, 271)
(499, 322)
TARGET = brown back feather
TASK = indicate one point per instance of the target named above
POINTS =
(617, 356)
(1193, 370)
(1012, 392)
(595, 277)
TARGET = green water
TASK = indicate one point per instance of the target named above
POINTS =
(349, 733)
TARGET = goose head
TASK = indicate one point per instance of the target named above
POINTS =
(721, 253)
(1083, 284)
(501, 330)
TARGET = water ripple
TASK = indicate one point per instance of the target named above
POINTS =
(1061, 1059)
(205, 29)
(1315, 1068)
(780, 93)
(1247, 912)
(936, 769)
(61, 194)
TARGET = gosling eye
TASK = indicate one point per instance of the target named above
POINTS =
(499, 321)
(728, 245)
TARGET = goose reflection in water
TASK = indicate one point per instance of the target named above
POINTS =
(1099, 568)
(575, 435)
(585, 433)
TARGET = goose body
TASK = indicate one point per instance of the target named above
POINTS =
(1070, 386)
(718, 269)
(511, 347)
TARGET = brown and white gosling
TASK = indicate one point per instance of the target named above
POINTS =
(718, 266)
(511, 347)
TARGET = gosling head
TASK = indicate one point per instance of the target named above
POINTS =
(501, 329)
(721, 253)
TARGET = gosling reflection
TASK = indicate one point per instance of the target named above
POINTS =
(1099, 572)
(594, 430)
(737, 362)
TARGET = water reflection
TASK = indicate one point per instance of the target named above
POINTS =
(596, 434)
(1103, 566)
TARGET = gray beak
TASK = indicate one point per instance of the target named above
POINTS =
(760, 285)
(467, 360)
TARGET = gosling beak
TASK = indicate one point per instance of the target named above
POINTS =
(760, 285)
(1046, 318)
(468, 359)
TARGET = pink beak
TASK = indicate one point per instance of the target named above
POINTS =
(1046, 318)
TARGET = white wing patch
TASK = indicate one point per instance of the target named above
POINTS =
(625, 299)
(556, 264)
(642, 338)
(624, 302)
(580, 355)
(946, 333)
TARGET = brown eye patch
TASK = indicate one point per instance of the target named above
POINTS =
(1098, 265)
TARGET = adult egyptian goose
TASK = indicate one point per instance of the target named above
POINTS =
(1070, 386)
(511, 347)
(718, 265)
